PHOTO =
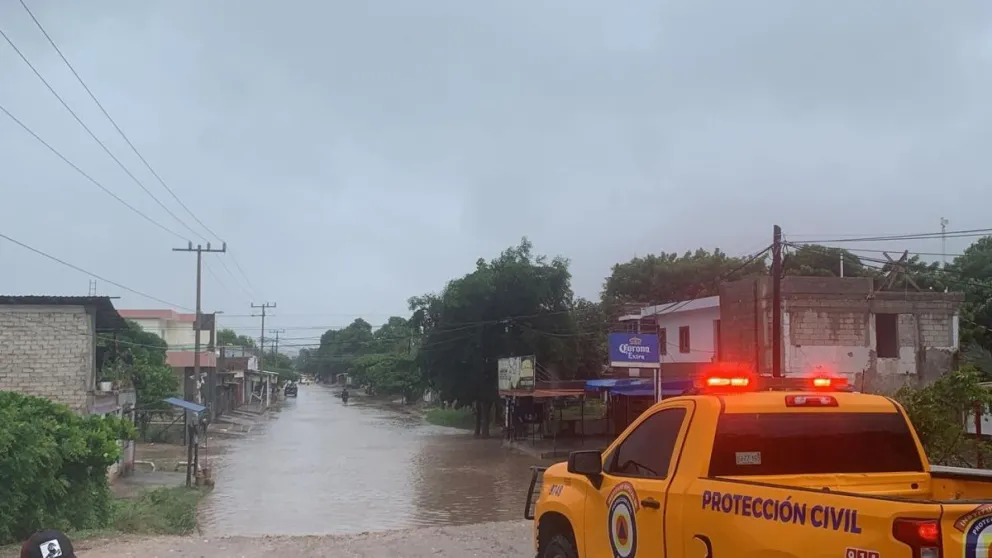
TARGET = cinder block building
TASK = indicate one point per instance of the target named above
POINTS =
(48, 348)
(880, 340)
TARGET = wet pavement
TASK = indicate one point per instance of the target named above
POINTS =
(322, 467)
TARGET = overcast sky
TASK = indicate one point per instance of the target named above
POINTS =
(353, 154)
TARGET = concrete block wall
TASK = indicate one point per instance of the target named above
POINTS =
(744, 325)
(48, 351)
(830, 323)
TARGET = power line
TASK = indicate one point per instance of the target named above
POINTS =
(90, 273)
(114, 122)
(800, 245)
(130, 144)
(94, 181)
(913, 236)
(94, 136)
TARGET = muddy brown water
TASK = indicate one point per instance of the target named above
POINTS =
(324, 467)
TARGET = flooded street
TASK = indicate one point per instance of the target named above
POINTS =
(323, 467)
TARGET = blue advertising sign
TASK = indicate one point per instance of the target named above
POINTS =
(634, 350)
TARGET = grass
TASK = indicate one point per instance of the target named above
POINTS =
(160, 511)
(462, 418)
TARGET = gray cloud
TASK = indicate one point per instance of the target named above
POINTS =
(356, 153)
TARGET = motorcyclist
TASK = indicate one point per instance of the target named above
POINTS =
(344, 395)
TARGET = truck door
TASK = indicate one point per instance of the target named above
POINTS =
(625, 517)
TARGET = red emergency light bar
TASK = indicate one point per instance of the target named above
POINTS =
(743, 383)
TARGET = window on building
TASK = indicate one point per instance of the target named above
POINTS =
(716, 339)
(647, 451)
(684, 345)
(663, 341)
(887, 335)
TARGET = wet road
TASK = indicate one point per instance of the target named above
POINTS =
(322, 467)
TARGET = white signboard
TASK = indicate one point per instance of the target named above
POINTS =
(516, 373)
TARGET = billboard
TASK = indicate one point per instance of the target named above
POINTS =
(634, 350)
(516, 373)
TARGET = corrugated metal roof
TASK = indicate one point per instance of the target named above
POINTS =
(183, 404)
(107, 317)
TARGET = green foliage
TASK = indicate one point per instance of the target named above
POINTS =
(970, 273)
(939, 411)
(54, 466)
(338, 348)
(230, 338)
(515, 304)
(162, 511)
(463, 418)
(667, 277)
(824, 261)
(389, 375)
(138, 358)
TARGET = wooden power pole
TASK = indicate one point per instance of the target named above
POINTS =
(261, 342)
(776, 302)
(276, 332)
(190, 393)
(189, 385)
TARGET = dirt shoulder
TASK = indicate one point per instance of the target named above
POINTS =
(509, 539)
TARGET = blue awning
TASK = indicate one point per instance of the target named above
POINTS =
(615, 382)
(187, 405)
(640, 386)
(669, 388)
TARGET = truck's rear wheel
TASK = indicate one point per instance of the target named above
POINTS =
(560, 546)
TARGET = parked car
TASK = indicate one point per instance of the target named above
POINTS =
(290, 390)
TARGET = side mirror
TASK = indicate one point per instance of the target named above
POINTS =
(586, 462)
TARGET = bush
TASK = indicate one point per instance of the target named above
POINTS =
(54, 466)
(939, 412)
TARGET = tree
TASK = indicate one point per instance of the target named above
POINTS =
(390, 375)
(281, 363)
(338, 347)
(970, 273)
(667, 277)
(824, 261)
(230, 338)
(592, 325)
(139, 357)
(516, 304)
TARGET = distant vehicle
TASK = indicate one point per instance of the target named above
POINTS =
(291, 390)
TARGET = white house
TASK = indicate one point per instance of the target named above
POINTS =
(688, 333)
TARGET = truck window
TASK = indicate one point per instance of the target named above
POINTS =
(647, 451)
(813, 443)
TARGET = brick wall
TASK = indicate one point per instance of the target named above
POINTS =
(48, 351)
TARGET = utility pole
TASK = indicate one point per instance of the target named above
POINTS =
(189, 385)
(92, 287)
(841, 252)
(776, 302)
(277, 332)
(943, 241)
(261, 342)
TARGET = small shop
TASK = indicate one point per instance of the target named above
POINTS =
(626, 399)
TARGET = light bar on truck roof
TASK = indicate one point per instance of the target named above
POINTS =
(739, 383)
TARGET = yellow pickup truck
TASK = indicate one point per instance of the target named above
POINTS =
(748, 467)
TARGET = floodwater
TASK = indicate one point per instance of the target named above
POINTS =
(324, 467)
